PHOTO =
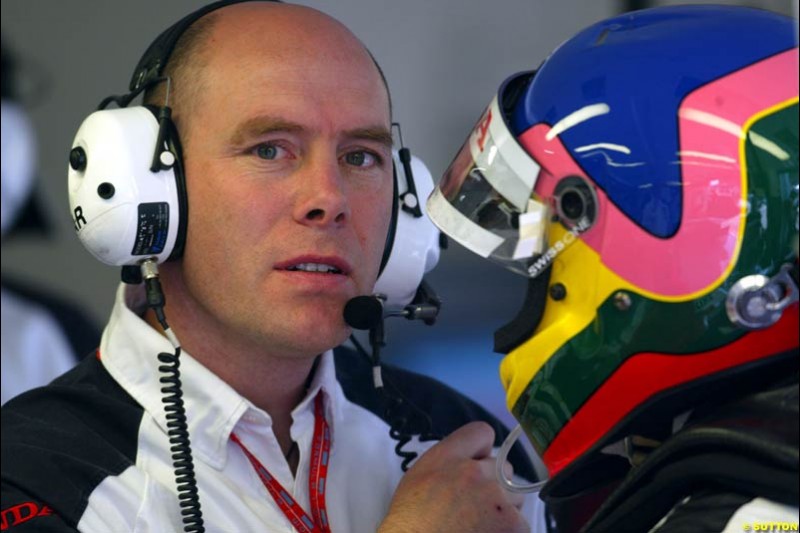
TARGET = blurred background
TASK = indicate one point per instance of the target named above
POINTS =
(443, 59)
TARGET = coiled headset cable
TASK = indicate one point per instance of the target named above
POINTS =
(177, 429)
(406, 420)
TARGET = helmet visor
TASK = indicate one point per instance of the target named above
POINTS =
(484, 201)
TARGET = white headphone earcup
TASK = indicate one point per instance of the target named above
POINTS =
(123, 212)
(415, 250)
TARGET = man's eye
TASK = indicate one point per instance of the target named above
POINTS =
(360, 159)
(269, 151)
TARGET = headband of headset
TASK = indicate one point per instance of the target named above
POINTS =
(151, 66)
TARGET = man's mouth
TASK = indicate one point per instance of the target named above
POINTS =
(316, 264)
(315, 267)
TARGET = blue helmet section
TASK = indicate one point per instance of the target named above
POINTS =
(642, 65)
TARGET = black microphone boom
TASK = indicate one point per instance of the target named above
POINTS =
(366, 312)
(425, 306)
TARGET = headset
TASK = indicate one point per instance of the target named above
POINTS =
(129, 204)
(127, 188)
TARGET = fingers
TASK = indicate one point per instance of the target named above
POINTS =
(454, 487)
(471, 441)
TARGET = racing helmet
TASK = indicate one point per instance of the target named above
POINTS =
(645, 180)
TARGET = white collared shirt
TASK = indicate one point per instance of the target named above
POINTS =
(233, 498)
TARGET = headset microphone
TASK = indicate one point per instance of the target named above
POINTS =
(405, 419)
(366, 312)
(363, 312)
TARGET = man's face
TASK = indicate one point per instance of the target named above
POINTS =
(288, 164)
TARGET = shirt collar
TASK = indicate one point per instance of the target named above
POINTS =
(129, 350)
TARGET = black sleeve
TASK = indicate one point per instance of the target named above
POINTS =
(22, 513)
(59, 443)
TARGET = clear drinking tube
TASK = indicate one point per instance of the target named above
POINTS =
(502, 455)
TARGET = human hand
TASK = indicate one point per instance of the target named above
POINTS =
(453, 487)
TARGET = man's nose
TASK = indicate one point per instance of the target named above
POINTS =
(322, 195)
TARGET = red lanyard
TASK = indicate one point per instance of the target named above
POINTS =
(318, 472)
